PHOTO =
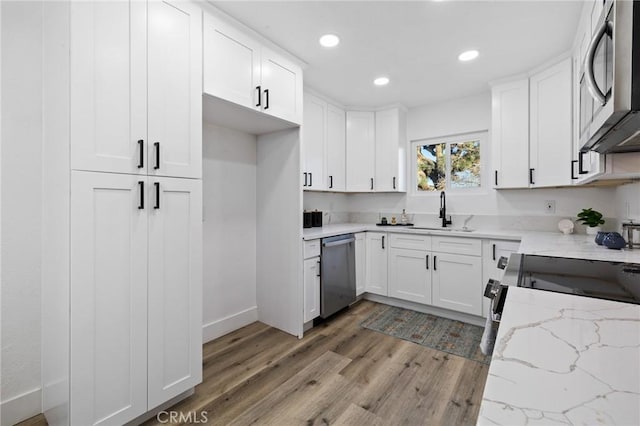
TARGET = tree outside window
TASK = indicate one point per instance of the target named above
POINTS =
(452, 163)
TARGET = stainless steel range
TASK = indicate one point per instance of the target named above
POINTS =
(591, 278)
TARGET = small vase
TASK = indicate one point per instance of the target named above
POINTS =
(593, 230)
(600, 237)
(613, 240)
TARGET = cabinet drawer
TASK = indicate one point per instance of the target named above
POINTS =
(311, 248)
(468, 246)
(409, 241)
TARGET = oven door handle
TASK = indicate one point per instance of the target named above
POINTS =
(606, 28)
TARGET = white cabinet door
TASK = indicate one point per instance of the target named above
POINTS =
(311, 270)
(361, 262)
(231, 63)
(313, 131)
(550, 138)
(108, 298)
(457, 282)
(390, 150)
(175, 287)
(360, 151)
(175, 89)
(376, 264)
(108, 105)
(281, 87)
(336, 146)
(410, 275)
(510, 134)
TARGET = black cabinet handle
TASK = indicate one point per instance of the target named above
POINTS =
(259, 89)
(330, 182)
(157, 185)
(531, 177)
(494, 251)
(141, 159)
(266, 98)
(372, 184)
(383, 242)
(310, 179)
(435, 268)
(394, 182)
(495, 177)
(305, 178)
(318, 274)
(427, 260)
(581, 170)
(141, 186)
(157, 147)
(573, 169)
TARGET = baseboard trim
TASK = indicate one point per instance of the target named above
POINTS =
(218, 328)
(427, 309)
(21, 407)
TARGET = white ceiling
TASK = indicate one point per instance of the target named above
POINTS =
(414, 43)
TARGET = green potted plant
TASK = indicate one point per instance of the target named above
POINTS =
(591, 218)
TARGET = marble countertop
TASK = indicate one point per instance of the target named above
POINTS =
(552, 244)
(564, 359)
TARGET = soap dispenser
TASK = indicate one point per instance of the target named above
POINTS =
(403, 217)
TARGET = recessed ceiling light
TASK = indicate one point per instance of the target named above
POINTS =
(468, 55)
(381, 81)
(329, 40)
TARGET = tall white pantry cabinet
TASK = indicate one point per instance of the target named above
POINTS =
(135, 145)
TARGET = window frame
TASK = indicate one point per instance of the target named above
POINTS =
(480, 136)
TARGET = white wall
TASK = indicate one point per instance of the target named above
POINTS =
(229, 198)
(21, 208)
(467, 115)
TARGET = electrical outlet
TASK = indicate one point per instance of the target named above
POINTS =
(550, 206)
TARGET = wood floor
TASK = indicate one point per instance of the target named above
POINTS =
(339, 374)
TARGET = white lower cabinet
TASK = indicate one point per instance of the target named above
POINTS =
(311, 268)
(376, 263)
(457, 282)
(136, 277)
(410, 275)
(361, 262)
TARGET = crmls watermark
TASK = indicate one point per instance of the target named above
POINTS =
(190, 417)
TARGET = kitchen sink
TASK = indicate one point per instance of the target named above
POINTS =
(427, 228)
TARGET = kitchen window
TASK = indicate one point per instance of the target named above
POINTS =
(448, 163)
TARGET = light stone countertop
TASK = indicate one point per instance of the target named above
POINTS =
(552, 244)
(564, 359)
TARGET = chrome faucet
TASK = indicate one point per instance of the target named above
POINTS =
(443, 210)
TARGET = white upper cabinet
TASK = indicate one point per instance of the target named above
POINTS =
(360, 152)
(136, 66)
(314, 143)
(531, 129)
(510, 134)
(335, 149)
(241, 70)
(175, 89)
(108, 86)
(390, 155)
(231, 63)
(550, 120)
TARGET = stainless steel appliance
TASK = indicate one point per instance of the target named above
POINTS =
(591, 278)
(610, 82)
(337, 274)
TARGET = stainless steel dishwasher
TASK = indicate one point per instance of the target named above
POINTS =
(337, 274)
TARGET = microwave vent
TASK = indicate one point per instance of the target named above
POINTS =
(633, 140)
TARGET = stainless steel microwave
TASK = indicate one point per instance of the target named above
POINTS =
(609, 93)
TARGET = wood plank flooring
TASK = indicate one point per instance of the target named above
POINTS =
(339, 374)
